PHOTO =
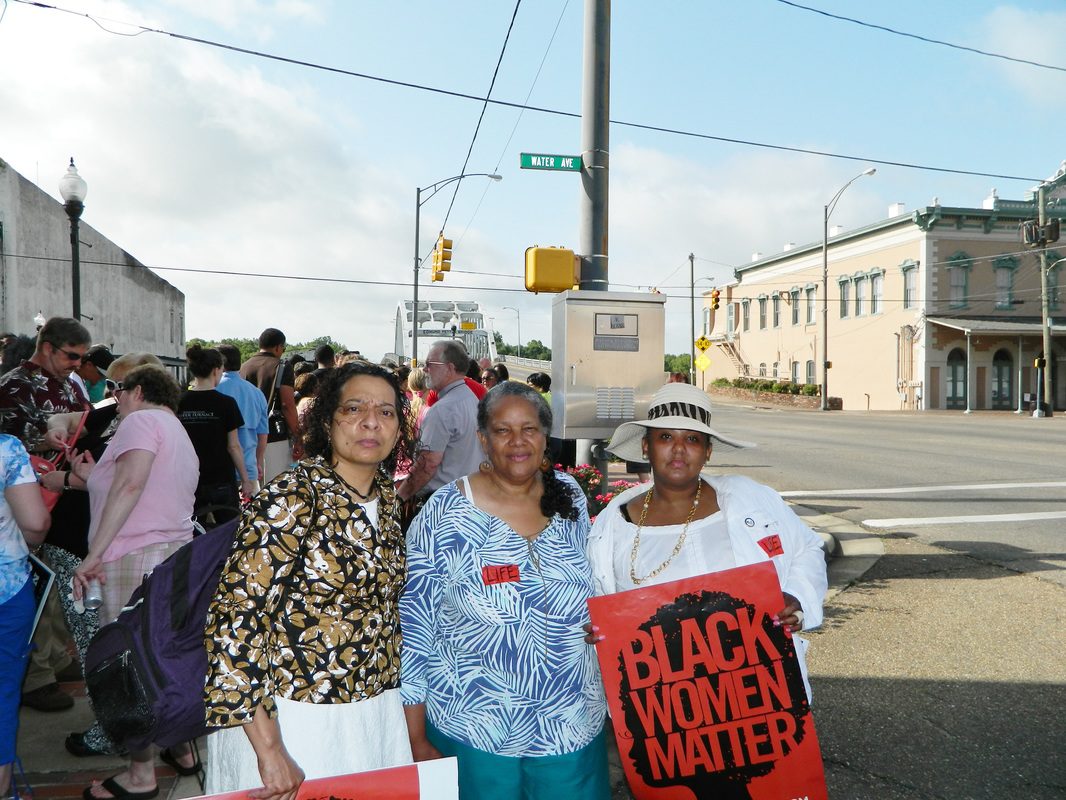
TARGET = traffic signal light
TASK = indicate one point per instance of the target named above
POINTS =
(715, 294)
(550, 269)
(442, 257)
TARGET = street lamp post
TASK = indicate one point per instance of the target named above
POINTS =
(73, 189)
(432, 190)
(519, 314)
(828, 209)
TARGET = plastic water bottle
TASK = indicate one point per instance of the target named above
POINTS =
(94, 595)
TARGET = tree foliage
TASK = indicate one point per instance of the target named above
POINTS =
(534, 348)
(249, 347)
(676, 363)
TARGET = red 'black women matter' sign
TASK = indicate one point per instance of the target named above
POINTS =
(427, 780)
(705, 692)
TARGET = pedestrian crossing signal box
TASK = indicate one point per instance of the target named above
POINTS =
(550, 269)
(607, 360)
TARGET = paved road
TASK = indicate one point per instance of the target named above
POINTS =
(990, 485)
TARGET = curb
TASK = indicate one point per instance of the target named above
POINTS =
(850, 549)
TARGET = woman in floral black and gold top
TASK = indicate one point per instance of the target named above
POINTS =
(303, 636)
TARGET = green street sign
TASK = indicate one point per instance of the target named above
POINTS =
(549, 161)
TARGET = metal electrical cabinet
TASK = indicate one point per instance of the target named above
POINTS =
(607, 360)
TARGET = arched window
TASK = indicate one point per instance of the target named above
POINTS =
(810, 371)
(762, 370)
(956, 389)
(776, 367)
(1002, 379)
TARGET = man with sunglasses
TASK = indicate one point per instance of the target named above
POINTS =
(41, 385)
(29, 394)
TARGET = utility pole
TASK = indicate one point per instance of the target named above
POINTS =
(692, 318)
(595, 144)
(1043, 406)
(595, 169)
(1044, 396)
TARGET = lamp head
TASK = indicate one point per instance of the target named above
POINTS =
(869, 171)
(72, 187)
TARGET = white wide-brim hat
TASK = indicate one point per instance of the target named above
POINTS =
(678, 406)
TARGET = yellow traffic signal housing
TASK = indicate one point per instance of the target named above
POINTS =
(442, 256)
(550, 269)
(715, 295)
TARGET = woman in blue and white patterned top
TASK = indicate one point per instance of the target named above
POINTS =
(23, 521)
(494, 667)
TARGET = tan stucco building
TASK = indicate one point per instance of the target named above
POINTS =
(937, 308)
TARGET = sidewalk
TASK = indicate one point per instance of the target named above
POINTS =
(54, 774)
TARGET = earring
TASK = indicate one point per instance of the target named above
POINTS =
(485, 466)
(546, 465)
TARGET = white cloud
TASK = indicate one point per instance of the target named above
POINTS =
(194, 162)
(664, 206)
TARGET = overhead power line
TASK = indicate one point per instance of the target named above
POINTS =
(537, 109)
(920, 38)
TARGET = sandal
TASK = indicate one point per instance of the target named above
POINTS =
(174, 764)
(118, 792)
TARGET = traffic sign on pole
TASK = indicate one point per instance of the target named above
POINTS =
(551, 162)
(702, 362)
(703, 343)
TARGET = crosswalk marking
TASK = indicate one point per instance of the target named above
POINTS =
(900, 522)
(970, 487)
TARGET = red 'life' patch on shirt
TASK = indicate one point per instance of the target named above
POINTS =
(772, 545)
(501, 573)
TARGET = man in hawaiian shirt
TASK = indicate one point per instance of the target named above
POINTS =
(29, 395)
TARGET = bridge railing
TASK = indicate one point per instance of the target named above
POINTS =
(527, 362)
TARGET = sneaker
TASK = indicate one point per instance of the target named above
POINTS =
(77, 746)
(70, 673)
(48, 698)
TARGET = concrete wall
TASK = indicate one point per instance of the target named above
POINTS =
(131, 308)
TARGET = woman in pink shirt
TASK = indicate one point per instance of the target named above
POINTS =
(141, 500)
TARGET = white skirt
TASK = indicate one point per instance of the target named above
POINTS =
(324, 739)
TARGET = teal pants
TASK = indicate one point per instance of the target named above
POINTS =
(581, 775)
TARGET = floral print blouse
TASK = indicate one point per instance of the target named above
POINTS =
(308, 604)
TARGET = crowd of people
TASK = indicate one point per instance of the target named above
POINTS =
(373, 499)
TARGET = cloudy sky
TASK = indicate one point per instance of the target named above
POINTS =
(204, 158)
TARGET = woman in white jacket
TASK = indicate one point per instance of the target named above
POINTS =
(691, 524)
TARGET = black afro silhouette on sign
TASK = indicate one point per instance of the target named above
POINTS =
(712, 695)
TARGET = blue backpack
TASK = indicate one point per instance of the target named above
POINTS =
(145, 672)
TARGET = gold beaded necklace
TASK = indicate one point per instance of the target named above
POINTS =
(677, 547)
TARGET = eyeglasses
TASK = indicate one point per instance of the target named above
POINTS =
(436, 363)
(117, 389)
(69, 353)
(489, 379)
